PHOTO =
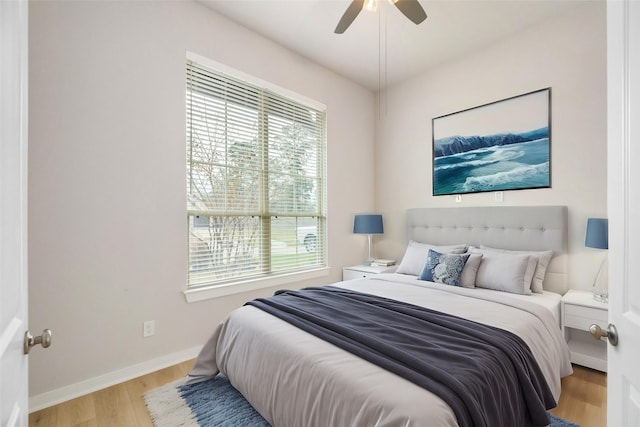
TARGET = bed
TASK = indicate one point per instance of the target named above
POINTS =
(294, 378)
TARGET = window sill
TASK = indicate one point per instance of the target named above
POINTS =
(200, 294)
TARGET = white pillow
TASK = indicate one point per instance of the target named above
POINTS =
(505, 272)
(543, 258)
(416, 255)
(470, 271)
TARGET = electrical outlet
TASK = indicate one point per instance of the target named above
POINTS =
(458, 198)
(148, 328)
(499, 196)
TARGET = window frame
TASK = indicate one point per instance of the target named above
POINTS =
(269, 279)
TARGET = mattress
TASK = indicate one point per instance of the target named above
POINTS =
(293, 378)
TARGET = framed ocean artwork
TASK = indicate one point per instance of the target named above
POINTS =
(504, 145)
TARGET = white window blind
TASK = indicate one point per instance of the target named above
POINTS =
(256, 180)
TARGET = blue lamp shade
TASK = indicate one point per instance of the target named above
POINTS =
(597, 233)
(368, 224)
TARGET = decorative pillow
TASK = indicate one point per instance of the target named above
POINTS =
(470, 271)
(543, 258)
(505, 272)
(416, 253)
(443, 268)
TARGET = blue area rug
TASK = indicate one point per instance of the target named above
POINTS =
(215, 403)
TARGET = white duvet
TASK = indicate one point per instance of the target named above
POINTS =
(295, 379)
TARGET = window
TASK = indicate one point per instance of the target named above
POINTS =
(256, 180)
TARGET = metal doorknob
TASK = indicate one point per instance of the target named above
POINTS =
(611, 333)
(44, 340)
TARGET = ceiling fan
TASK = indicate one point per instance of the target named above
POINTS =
(410, 8)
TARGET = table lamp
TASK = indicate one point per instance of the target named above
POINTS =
(368, 224)
(597, 236)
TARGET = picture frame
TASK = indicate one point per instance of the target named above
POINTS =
(499, 146)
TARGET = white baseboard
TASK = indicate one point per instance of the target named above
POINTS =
(90, 385)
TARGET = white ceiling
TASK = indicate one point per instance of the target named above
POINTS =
(452, 29)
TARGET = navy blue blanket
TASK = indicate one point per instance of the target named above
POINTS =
(487, 376)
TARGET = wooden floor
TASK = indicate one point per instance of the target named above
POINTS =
(583, 401)
(121, 405)
(584, 398)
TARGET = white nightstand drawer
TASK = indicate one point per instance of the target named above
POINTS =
(354, 274)
(582, 323)
(582, 311)
(580, 317)
(361, 271)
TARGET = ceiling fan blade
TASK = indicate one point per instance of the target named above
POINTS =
(349, 15)
(412, 10)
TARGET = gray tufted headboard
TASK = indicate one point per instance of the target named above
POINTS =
(509, 227)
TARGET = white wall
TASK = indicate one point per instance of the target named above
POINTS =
(107, 204)
(567, 54)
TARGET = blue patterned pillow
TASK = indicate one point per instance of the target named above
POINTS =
(443, 268)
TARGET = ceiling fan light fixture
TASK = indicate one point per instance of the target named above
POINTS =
(371, 5)
(409, 8)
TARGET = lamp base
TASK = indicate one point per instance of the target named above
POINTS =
(600, 285)
(600, 297)
(370, 258)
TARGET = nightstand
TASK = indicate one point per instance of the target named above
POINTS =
(361, 271)
(579, 312)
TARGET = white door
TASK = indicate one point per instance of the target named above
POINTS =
(623, 75)
(13, 212)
